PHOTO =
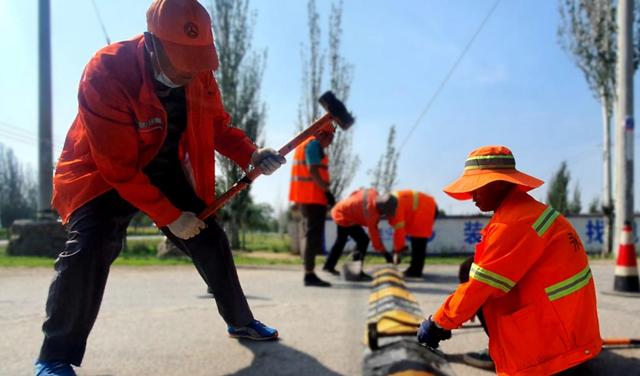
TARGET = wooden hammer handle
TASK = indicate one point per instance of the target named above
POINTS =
(246, 180)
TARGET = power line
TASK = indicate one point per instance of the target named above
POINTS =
(104, 29)
(450, 73)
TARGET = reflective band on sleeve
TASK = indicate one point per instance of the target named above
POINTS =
(398, 225)
(301, 178)
(490, 278)
(416, 199)
(569, 285)
(545, 220)
(364, 203)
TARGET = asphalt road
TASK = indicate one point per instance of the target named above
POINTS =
(159, 321)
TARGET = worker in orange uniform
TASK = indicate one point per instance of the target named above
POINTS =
(530, 276)
(364, 207)
(309, 190)
(414, 217)
(150, 118)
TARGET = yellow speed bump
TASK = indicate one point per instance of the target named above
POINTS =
(412, 372)
(388, 278)
(399, 316)
(387, 271)
(392, 291)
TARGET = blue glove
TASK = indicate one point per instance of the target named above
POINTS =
(429, 334)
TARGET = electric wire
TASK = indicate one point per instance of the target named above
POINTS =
(104, 29)
(450, 73)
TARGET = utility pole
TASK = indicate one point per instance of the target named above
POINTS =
(625, 121)
(45, 145)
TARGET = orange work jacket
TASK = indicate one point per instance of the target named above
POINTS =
(121, 126)
(303, 190)
(359, 209)
(531, 277)
(414, 217)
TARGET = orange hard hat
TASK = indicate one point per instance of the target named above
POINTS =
(485, 165)
(184, 29)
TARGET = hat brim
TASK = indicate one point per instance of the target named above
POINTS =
(191, 58)
(462, 188)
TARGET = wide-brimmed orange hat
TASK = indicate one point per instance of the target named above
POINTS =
(488, 164)
(184, 29)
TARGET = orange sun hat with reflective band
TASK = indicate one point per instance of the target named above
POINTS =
(184, 29)
(488, 164)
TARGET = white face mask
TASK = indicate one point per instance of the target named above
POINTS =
(163, 79)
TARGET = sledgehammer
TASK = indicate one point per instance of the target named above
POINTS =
(336, 113)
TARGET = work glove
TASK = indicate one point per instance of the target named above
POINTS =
(267, 160)
(430, 334)
(331, 201)
(186, 226)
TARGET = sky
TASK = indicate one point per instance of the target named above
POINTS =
(515, 86)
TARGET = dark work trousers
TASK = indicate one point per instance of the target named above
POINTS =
(314, 218)
(418, 253)
(96, 233)
(356, 233)
(463, 274)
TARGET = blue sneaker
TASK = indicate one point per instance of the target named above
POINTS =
(255, 330)
(53, 368)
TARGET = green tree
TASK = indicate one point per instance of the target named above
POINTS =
(342, 159)
(575, 206)
(594, 206)
(588, 32)
(558, 186)
(385, 175)
(240, 78)
(18, 190)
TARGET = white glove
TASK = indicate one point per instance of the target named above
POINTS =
(267, 160)
(186, 226)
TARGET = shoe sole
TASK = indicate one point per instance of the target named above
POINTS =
(239, 336)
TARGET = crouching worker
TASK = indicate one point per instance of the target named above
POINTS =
(363, 207)
(150, 119)
(530, 276)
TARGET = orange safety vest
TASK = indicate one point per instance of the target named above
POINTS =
(359, 209)
(531, 277)
(414, 217)
(303, 190)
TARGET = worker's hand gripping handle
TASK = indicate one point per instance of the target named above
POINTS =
(323, 122)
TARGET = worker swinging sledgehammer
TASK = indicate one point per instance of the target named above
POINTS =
(150, 118)
(364, 207)
(530, 278)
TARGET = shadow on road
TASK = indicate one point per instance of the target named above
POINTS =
(613, 364)
(275, 358)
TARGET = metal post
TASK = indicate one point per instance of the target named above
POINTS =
(45, 145)
(606, 206)
(625, 121)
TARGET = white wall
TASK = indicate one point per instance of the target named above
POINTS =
(458, 235)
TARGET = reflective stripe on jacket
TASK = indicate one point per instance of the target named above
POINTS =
(303, 190)
(531, 278)
(360, 209)
(414, 217)
(121, 126)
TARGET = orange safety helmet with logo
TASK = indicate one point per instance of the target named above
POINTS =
(414, 217)
(303, 190)
(530, 277)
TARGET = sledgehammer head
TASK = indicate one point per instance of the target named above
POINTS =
(337, 110)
